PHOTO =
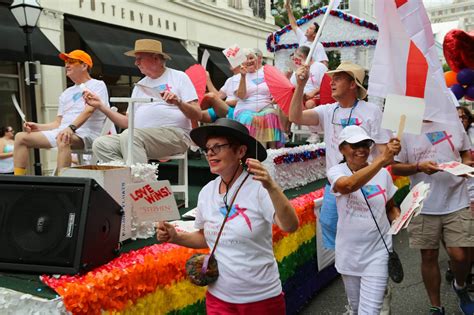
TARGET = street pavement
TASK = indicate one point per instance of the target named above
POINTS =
(408, 297)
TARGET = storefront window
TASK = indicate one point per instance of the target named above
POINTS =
(8, 86)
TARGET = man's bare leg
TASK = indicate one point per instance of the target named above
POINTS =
(23, 142)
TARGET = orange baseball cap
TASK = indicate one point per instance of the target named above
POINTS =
(78, 55)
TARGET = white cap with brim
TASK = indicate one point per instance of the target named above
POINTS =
(353, 134)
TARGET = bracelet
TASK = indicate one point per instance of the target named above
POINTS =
(418, 167)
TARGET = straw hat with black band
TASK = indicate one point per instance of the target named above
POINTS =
(151, 46)
(356, 72)
(224, 127)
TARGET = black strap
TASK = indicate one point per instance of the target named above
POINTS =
(227, 214)
(373, 217)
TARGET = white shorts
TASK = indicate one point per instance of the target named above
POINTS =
(53, 133)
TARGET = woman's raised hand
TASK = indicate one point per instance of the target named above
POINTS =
(165, 232)
(260, 173)
(392, 148)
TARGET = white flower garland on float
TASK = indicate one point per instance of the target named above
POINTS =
(14, 302)
(298, 166)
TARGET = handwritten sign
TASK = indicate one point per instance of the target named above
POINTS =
(235, 55)
(152, 201)
(410, 207)
(457, 168)
(396, 106)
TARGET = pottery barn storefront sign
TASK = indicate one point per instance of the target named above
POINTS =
(125, 14)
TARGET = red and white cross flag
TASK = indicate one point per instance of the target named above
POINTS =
(406, 61)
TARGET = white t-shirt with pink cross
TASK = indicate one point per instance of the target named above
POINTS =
(258, 94)
(333, 118)
(160, 113)
(439, 143)
(248, 271)
(359, 247)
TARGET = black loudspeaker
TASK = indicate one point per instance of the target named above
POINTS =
(56, 224)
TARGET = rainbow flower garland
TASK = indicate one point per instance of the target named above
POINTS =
(298, 166)
(152, 279)
(274, 38)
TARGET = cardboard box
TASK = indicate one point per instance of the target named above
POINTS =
(113, 179)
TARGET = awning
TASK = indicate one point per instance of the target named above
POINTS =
(12, 45)
(110, 42)
(218, 59)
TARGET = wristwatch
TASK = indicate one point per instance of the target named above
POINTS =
(73, 128)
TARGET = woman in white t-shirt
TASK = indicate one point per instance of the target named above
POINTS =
(361, 256)
(248, 280)
(254, 107)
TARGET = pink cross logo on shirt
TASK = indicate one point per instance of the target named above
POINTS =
(438, 137)
(235, 212)
(371, 191)
(163, 88)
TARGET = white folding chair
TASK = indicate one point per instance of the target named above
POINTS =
(298, 130)
(107, 128)
(182, 186)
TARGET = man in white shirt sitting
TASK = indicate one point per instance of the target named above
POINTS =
(76, 124)
(163, 126)
(307, 38)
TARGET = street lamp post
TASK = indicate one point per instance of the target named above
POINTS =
(26, 13)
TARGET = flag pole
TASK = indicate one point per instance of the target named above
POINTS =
(318, 34)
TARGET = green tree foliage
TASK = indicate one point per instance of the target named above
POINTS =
(446, 67)
(281, 19)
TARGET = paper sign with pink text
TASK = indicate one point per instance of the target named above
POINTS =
(152, 201)
(456, 168)
(411, 206)
(235, 55)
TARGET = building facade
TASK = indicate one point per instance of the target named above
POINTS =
(108, 28)
(459, 10)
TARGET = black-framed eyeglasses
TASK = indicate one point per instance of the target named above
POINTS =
(361, 144)
(215, 149)
(344, 122)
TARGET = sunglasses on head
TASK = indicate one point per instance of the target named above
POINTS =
(361, 144)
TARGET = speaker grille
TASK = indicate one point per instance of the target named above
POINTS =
(39, 223)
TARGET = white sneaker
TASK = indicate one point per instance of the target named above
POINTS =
(349, 310)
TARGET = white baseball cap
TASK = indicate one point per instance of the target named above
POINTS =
(353, 134)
